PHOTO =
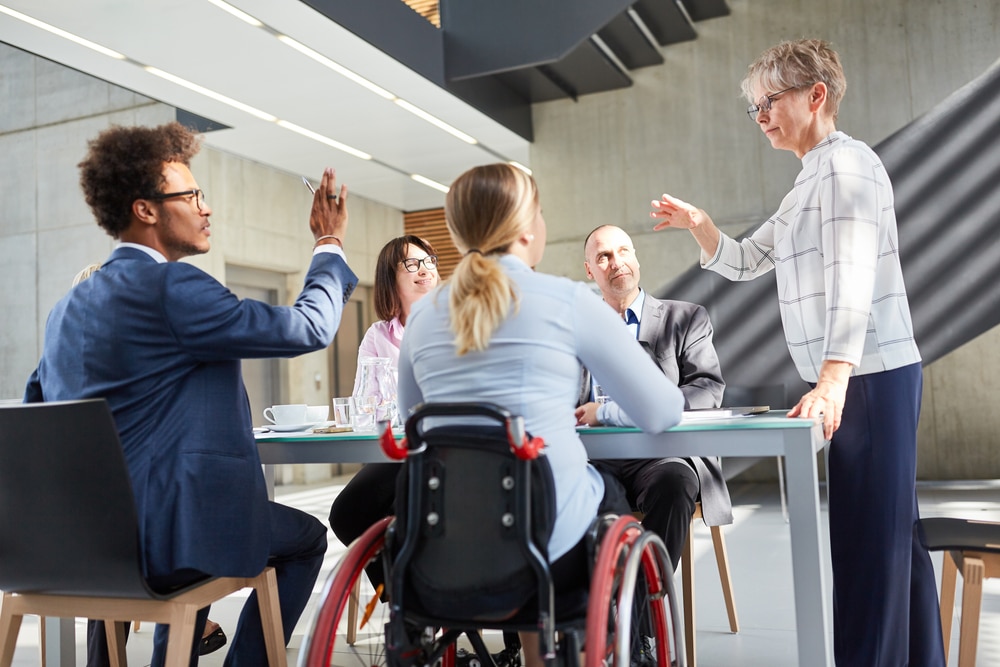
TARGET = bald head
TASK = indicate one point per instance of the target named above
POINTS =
(610, 261)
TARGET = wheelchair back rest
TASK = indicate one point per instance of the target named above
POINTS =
(474, 508)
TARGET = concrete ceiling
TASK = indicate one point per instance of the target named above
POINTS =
(198, 42)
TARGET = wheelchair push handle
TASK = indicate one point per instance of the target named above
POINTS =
(521, 443)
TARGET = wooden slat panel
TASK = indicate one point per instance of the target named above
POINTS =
(430, 225)
(426, 8)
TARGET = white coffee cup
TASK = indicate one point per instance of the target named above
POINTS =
(317, 413)
(287, 414)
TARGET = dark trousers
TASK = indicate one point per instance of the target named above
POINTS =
(664, 490)
(368, 497)
(885, 605)
(298, 543)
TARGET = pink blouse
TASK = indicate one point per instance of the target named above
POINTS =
(381, 340)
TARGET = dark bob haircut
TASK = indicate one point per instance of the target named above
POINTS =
(387, 303)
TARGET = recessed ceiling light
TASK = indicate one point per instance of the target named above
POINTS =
(325, 140)
(241, 15)
(420, 113)
(336, 67)
(263, 115)
(429, 183)
(62, 33)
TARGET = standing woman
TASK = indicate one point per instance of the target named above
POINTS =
(405, 271)
(832, 244)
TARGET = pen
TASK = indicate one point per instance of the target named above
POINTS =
(309, 185)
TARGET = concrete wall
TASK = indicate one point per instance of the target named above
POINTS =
(681, 128)
(47, 232)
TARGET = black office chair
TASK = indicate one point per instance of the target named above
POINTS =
(69, 539)
(467, 551)
(973, 547)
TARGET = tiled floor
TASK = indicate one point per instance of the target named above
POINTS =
(760, 559)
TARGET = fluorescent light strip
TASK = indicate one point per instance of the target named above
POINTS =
(336, 67)
(378, 90)
(241, 15)
(515, 163)
(218, 97)
(62, 33)
(263, 115)
(423, 180)
(324, 140)
(420, 113)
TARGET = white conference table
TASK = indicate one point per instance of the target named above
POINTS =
(771, 434)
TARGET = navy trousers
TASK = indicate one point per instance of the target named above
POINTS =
(885, 604)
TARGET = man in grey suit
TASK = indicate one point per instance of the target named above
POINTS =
(162, 341)
(678, 337)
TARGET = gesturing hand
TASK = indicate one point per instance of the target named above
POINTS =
(328, 216)
(673, 212)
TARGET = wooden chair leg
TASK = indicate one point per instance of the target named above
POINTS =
(973, 570)
(949, 575)
(722, 560)
(266, 585)
(41, 640)
(10, 625)
(115, 634)
(182, 624)
(687, 580)
(135, 626)
(352, 613)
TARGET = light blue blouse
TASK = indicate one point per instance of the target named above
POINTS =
(532, 368)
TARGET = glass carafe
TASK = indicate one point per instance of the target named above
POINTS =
(376, 397)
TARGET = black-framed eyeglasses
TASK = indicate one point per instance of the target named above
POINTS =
(198, 195)
(412, 264)
(765, 102)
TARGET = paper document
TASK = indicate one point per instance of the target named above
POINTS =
(723, 413)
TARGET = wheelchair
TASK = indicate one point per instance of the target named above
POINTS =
(466, 552)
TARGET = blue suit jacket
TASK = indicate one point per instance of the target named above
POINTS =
(163, 343)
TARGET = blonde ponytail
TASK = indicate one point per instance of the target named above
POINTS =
(487, 209)
(480, 298)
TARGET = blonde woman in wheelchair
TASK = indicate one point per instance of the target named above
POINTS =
(499, 331)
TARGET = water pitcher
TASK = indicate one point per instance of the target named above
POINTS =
(378, 382)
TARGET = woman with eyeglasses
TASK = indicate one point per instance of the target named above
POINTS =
(833, 246)
(406, 270)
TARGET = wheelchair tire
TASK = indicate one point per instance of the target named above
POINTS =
(318, 647)
(631, 594)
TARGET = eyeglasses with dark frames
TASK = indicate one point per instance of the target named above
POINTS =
(198, 195)
(412, 264)
(765, 102)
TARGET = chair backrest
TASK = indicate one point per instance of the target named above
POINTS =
(67, 514)
(473, 519)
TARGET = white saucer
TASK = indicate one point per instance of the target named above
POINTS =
(291, 428)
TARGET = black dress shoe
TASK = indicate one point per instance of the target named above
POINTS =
(212, 642)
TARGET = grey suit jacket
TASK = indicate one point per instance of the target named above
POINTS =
(678, 337)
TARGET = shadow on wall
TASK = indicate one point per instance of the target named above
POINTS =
(944, 168)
